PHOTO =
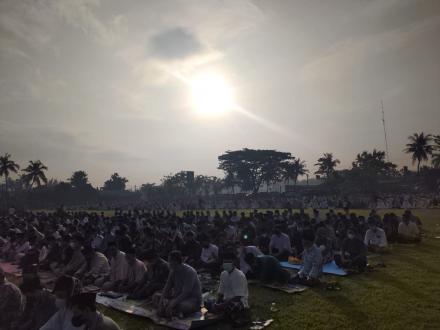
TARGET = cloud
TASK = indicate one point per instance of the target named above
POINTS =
(342, 58)
(175, 43)
(79, 13)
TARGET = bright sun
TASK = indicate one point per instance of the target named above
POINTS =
(211, 94)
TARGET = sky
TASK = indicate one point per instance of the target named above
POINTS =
(96, 85)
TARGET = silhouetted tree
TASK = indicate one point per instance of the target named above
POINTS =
(326, 165)
(374, 163)
(294, 169)
(253, 167)
(79, 179)
(419, 148)
(34, 173)
(7, 166)
(115, 183)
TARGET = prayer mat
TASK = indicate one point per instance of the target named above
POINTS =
(328, 268)
(144, 309)
(289, 288)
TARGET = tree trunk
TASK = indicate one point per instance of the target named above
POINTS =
(418, 166)
(6, 192)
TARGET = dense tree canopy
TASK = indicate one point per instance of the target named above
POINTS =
(250, 168)
(79, 179)
(374, 163)
(115, 183)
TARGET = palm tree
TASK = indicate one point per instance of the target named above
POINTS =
(6, 167)
(34, 173)
(436, 160)
(293, 170)
(326, 164)
(436, 157)
(419, 147)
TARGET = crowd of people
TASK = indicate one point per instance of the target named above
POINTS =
(274, 200)
(159, 256)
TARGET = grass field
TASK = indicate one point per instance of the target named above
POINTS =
(403, 295)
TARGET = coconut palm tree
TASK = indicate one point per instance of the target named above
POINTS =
(436, 157)
(6, 167)
(436, 160)
(34, 173)
(419, 147)
(326, 164)
(294, 169)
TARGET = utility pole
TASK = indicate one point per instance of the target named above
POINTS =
(385, 132)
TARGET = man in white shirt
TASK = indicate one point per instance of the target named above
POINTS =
(209, 255)
(408, 231)
(375, 237)
(243, 251)
(279, 245)
(118, 269)
(233, 291)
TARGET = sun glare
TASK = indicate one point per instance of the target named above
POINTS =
(211, 94)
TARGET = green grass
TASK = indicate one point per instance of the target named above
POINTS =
(403, 295)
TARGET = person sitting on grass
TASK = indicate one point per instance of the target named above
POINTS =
(65, 288)
(135, 272)
(155, 278)
(243, 251)
(209, 258)
(85, 314)
(12, 303)
(267, 269)
(40, 303)
(77, 260)
(95, 267)
(279, 245)
(182, 294)
(233, 294)
(354, 252)
(311, 262)
(118, 269)
(191, 249)
(375, 237)
(408, 232)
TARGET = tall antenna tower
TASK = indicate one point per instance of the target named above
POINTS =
(385, 132)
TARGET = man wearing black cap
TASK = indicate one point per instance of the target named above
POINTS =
(85, 314)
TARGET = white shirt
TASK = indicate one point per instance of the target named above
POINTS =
(118, 267)
(61, 320)
(281, 243)
(376, 238)
(234, 284)
(409, 230)
(207, 253)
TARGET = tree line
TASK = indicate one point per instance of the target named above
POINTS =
(246, 169)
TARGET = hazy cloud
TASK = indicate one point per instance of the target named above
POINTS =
(94, 85)
(175, 43)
